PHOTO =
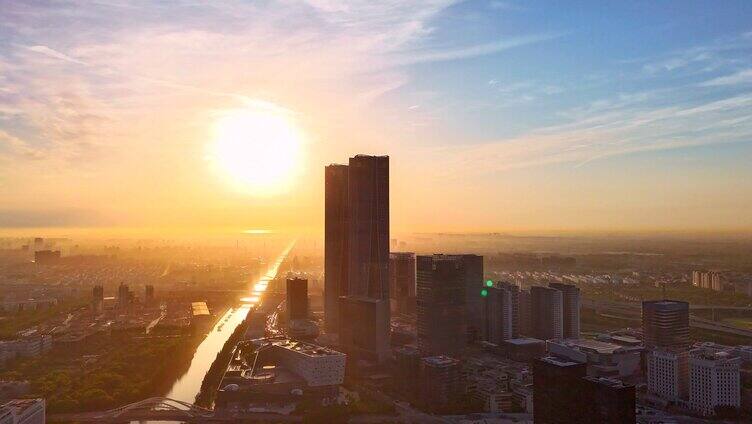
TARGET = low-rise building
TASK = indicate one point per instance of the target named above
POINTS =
(602, 359)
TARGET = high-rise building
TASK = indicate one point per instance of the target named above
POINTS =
(441, 382)
(336, 230)
(297, 298)
(571, 312)
(713, 380)
(665, 324)
(525, 305)
(402, 282)
(665, 329)
(361, 333)
(558, 391)
(499, 314)
(668, 373)
(149, 294)
(547, 311)
(473, 281)
(367, 255)
(97, 301)
(406, 371)
(441, 305)
(609, 401)
(707, 280)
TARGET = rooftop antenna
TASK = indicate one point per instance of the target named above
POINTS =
(663, 290)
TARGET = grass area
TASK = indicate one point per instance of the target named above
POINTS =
(106, 370)
(693, 295)
(745, 323)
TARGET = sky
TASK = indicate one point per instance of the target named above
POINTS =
(497, 115)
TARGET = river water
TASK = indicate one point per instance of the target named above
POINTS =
(187, 387)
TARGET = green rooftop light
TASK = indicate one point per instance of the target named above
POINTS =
(484, 292)
(489, 283)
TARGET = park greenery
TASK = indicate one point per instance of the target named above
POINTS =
(105, 371)
(11, 324)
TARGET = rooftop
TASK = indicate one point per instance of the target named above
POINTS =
(560, 362)
(199, 308)
(524, 341)
(440, 361)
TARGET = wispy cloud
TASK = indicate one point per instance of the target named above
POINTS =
(737, 78)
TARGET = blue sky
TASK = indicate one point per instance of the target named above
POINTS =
(534, 115)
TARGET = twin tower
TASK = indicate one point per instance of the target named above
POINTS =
(356, 256)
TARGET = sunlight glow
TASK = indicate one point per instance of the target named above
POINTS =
(257, 148)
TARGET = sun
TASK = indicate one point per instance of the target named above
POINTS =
(257, 148)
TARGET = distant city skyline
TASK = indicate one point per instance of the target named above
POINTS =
(508, 116)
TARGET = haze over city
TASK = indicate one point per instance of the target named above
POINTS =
(429, 211)
(201, 118)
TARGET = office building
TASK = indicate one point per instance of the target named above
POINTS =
(97, 301)
(609, 401)
(668, 374)
(297, 299)
(558, 391)
(665, 324)
(362, 335)
(23, 411)
(406, 371)
(149, 294)
(367, 259)
(402, 282)
(441, 382)
(571, 311)
(46, 257)
(499, 314)
(473, 282)
(441, 305)
(336, 230)
(714, 380)
(525, 306)
(547, 312)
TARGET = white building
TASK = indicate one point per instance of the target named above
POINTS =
(714, 380)
(668, 374)
(23, 411)
(317, 365)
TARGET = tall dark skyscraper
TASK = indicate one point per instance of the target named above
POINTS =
(368, 242)
(665, 324)
(473, 281)
(441, 305)
(357, 235)
(297, 298)
(557, 391)
(402, 281)
(571, 312)
(336, 230)
(547, 313)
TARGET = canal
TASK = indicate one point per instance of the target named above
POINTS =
(187, 387)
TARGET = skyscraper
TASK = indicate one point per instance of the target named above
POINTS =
(665, 329)
(473, 282)
(297, 298)
(547, 313)
(557, 391)
(368, 242)
(665, 324)
(364, 307)
(336, 232)
(402, 282)
(499, 314)
(571, 311)
(441, 305)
